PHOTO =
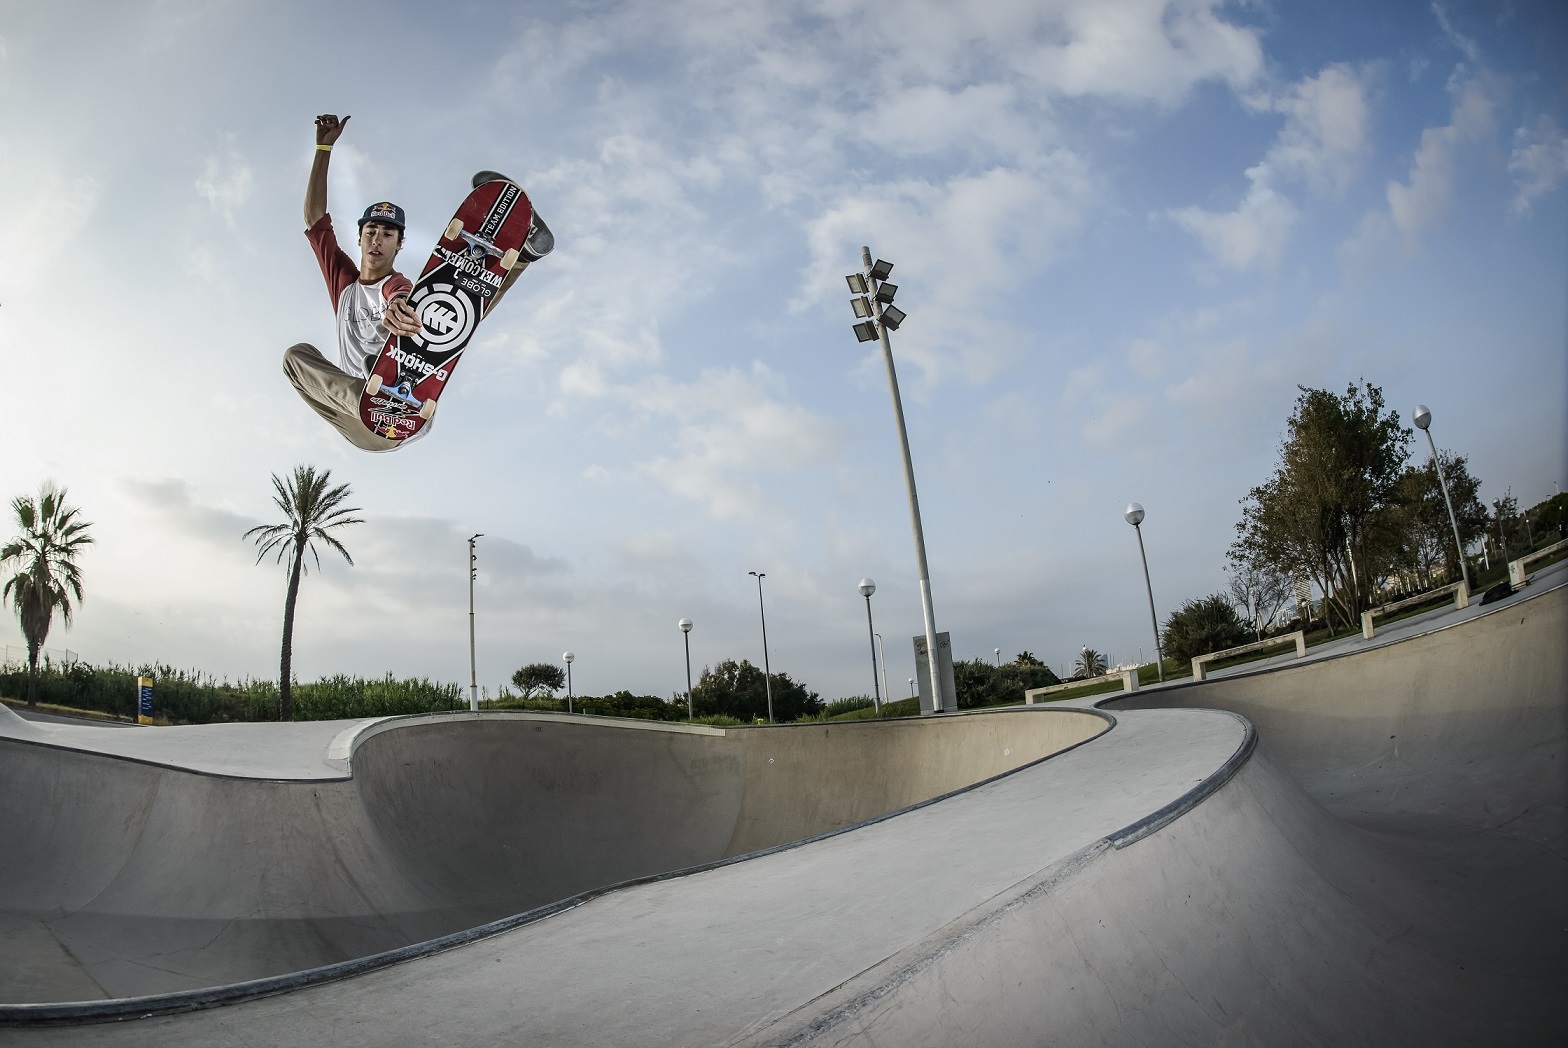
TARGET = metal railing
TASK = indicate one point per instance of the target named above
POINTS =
(12, 655)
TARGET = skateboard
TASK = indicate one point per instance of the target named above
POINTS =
(494, 231)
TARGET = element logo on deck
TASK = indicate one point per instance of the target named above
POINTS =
(446, 319)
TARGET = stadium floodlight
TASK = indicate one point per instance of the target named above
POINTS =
(857, 284)
(861, 305)
(892, 316)
(885, 293)
(865, 331)
(880, 270)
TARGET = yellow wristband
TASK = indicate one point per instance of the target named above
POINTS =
(325, 148)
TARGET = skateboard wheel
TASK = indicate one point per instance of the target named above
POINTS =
(372, 385)
(509, 260)
(453, 228)
(427, 409)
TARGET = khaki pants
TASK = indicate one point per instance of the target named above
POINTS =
(332, 394)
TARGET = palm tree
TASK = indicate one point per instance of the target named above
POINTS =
(1090, 663)
(313, 510)
(47, 576)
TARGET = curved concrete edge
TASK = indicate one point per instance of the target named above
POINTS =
(1098, 702)
(1156, 821)
(148, 1006)
(921, 957)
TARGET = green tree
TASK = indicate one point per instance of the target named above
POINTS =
(47, 576)
(539, 678)
(738, 689)
(1026, 658)
(1259, 591)
(1428, 533)
(1202, 626)
(1090, 664)
(980, 683)
(312, 510)
(1329, 512)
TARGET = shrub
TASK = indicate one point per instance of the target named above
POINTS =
(1202, 626)
(980, 683)
(853, 702)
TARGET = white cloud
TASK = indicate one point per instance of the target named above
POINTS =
(1253, 234)
(40, 207)
(1426, 194)
(225, 181)
(1465, 44)
(1321, 144)
(1327, 129)
(1539, 162)
(732, 428)
(1144, 50)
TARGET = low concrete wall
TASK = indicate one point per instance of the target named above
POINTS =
(1516, 568)
(1200, 664)
(1460, 590)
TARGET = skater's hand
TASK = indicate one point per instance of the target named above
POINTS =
(329, 127)
(400, 318)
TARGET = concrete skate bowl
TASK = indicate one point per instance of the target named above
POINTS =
(1425, 783)
(121, 879)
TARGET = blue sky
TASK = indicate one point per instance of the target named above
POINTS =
(1123, 232)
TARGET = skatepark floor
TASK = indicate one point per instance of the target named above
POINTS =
(1368, 846)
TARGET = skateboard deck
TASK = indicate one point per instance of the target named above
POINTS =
(494, 231)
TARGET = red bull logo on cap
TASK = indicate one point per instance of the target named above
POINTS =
(386, 212)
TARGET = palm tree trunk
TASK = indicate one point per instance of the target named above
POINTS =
(32, 675)
(286, 668)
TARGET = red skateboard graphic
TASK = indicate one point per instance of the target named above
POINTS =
(494, 231)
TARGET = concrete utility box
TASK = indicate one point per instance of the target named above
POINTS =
(944, 660)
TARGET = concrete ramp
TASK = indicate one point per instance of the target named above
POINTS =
(122, 878)
(1362, 850)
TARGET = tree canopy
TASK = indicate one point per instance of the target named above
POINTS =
(1329, 512)
(981, 683)
(1202, 626)
(312, 510)
(739, 690)
(46, 576)
(539, 678)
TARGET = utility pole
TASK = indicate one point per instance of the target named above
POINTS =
(473, 676)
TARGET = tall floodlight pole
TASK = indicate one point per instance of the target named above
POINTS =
(473, 676)
(767, 673)
(1423, 421)
(867, 588)
(1134, 515)
(685, 625)
(882, 317)
(569, 658)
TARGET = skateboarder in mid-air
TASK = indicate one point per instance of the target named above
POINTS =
(371, 300)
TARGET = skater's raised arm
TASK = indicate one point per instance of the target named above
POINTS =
(328, 128)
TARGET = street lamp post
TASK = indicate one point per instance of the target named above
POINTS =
(473, 573)
(911, 687)
(867, 588)
(998, 652)
(767, 673)
(570, 658)
(1423, 421)
(685, 625)
(882, 658)
(1134, 516)
(879, 316)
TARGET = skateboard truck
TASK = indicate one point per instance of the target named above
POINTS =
(403, 392)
